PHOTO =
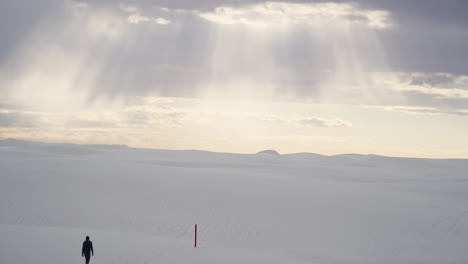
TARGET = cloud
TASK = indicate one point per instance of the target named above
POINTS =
(101, 70)
(133, 113)
(138, 19)
(94, 54)
(427, 110)
(77, 4)
(307, 121)
(162, 21)
(322, 122)
(128, 8)
(443, 85)
(314, 14)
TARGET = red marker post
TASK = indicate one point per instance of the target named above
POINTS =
(195, 236)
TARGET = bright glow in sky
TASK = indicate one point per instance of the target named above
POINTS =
(319, 77)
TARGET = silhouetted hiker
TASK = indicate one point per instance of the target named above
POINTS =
(87, 249)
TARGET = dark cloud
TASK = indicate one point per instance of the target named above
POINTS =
(429, 36)
(432, 80)
(18, 18)
(428, 48)
(451, 13)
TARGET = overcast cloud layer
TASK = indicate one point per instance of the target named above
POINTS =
(105, 58)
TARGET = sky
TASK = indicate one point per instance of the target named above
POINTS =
(328, 77)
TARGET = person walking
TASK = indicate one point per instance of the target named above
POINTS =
(87, 249)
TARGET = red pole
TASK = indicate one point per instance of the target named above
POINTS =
(195, 235)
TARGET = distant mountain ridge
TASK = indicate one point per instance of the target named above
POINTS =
(12, 142)
(74, 148)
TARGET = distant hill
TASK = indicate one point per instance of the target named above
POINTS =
(11, 142)
(269, 152)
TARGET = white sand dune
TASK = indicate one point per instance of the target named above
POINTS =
(140, 206)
